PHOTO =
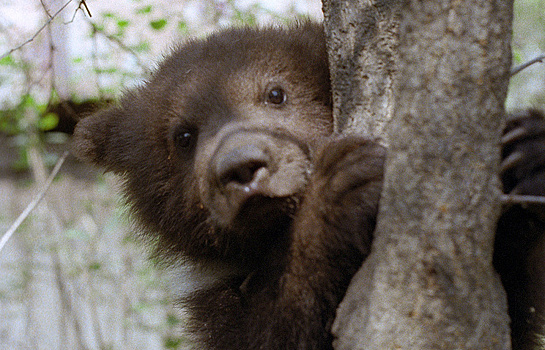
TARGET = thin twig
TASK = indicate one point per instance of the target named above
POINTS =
(34, 202)
(45, 9)
(82, 2)
(83, 7)
(522, 199)
(520, 67)
(120, 43)
(39, 30)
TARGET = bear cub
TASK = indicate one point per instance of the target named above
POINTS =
(231, 167)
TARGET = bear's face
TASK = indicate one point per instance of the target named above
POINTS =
(215, 149)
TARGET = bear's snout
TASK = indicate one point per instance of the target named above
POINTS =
(254, 164)
(242, 167)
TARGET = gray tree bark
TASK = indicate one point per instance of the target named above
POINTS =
(362, 39)
(429, 282)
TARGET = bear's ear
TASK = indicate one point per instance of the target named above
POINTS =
(97, 139)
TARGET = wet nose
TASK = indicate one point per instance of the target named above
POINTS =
(240, 165)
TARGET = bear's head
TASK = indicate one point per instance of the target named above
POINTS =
(215, 148)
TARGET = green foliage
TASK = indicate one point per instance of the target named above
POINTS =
(20, 120)
(22, 162)
(142, 47)
(173, 320)
(183, 27)
(95, 266)
(158, 24)
(248, 17)
(172, 342)
(8, 122)
(27, 123)
(144, 10)
(122, 23)
(48, 121)
(7, 61)
(517, 56)
(111, 20)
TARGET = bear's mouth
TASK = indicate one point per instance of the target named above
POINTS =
(261, 227)
(264, 213)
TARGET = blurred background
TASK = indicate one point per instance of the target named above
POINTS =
(73, 276)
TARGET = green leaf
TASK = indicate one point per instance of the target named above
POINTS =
(122, 23)
(172, 320)
(172, 342)
(22, 162)
(98, 28)
(48, 122)
(9, 125)
(142, 47)
(95, 266)
(7, 61)
(517, 57)
(158, 24)
(28, 101)
(144, 10)
(182, 26)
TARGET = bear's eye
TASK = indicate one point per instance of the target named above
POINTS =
(184, 138)
(276, 96)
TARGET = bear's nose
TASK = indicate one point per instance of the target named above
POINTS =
(240, 166)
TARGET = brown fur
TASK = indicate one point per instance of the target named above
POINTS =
(231, 167)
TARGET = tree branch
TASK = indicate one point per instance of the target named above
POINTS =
(120, 44)
(51, 18)
(507, 199)
(34, 202)
(525, 65)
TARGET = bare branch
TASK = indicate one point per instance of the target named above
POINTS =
(34, 202)
(82, 2)
(121, 45)
(51, 18)
(83, 9)
(507, 199)
(45, 9)
(520, 67)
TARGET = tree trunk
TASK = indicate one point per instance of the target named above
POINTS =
(429, 282)
(362, 42)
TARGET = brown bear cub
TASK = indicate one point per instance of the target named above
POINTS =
(231, 167)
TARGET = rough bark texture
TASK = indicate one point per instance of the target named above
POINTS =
(429, 282)
(362, 39)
